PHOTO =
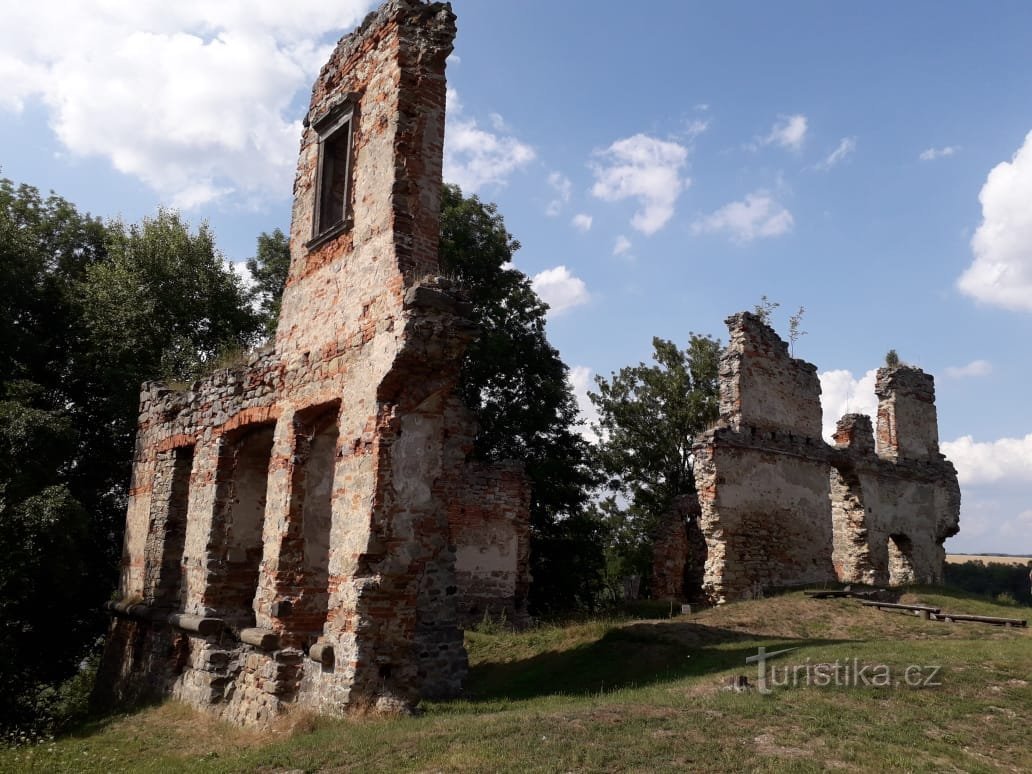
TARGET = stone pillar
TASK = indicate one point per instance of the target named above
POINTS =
(907, 422)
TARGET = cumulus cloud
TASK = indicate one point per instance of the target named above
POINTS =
(845, 149)
(581, 381)
(646, 169)
(991, 462)
(758, 215)
(842, 393)
(560, 289)
(193, 98)
(623, 245)
(474, 156)
(788, 132)
(931, 154)
(974, 368)
(582, 222)
(1001, 273)
(563, 189)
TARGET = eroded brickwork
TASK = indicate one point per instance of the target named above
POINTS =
(780, 507)
(300, 528)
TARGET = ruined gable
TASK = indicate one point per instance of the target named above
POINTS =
(761, 475)
(779, 507)
(292, 527)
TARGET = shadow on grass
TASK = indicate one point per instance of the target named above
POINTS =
(627, 656)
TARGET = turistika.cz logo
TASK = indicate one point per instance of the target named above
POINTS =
(847, 673)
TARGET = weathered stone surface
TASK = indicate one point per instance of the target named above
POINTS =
(780, 507)
(679, 553)
(314, 499)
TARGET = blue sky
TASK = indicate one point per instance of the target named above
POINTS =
(662, 169)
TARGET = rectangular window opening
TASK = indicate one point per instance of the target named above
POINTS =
(317, 447)
(331, 213)
(168, 592)
(242, 492)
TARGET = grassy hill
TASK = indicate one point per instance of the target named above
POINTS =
(648, 695)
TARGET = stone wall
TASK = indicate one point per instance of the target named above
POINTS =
(899, 499)
(291, 533)
(761, 474)
(491, 535)
(780, 507)
(679, 553)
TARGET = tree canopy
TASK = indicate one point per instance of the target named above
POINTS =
(649, 419)
(90, 311)
(517, 387)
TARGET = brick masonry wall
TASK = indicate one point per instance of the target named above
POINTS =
(369, 344)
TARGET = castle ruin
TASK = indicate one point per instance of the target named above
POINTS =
(776, 506)
(306, 530)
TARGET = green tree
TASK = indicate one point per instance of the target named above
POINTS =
(90, 311)
(649, 419)
(517, 387)
(269, 268)
(47, 581)
(765, 309)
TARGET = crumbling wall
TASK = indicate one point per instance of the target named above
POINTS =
(904, 494)
(679, 553)
(492, 543)
(761, 473)
(780, 507)
(288, 538)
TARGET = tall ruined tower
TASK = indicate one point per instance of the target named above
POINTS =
(294, 525)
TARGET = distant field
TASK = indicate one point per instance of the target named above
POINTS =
(961, 558)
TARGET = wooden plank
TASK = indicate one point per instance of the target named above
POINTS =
(895, 606)
(982, 619)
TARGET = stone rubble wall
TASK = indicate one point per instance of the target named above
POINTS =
(352, 598)
(492, 540)
(780, 507)
(679, 553)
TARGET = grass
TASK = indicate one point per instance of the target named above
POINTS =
(616, 695)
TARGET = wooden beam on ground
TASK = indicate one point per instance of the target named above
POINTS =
(950, 617)
(919, 609)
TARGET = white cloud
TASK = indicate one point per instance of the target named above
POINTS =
(646, 169)
(582, 222)
(563, 188)
(788, 132)
(623, 245)
(991, 462)
(758, 215)
(581, 381)
(475, 157)
(1001, 273)
(239, 268)
(1018, 528)
(974, 368)
(560, 289)
(842, 393)
(695, 127)
(845, 148)
(193, 98)
(931, 154)
(993, 521)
